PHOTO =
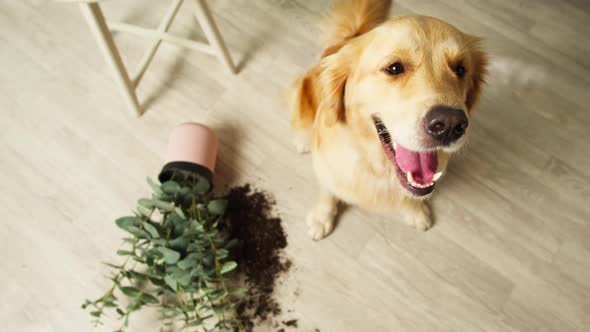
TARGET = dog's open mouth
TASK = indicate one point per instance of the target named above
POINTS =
(415, 170)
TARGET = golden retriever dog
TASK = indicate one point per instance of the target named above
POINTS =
(382, 111)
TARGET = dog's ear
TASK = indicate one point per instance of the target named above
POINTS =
(332, 73)
(479, 62)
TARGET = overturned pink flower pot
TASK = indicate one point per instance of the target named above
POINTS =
(192, 150)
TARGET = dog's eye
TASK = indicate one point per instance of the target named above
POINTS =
(460, 70)
(395, 69)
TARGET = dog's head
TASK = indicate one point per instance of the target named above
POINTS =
(410, 86)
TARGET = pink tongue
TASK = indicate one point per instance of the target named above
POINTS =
(422, 165)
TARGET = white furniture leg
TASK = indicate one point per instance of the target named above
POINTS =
(95, 19)
(207, 23)
(162, 28)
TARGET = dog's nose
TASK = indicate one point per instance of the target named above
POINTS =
(445, 124)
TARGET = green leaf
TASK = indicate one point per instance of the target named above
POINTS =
(221, 253)
(185, 280)
(125, 253)
(146, 203)
(188, 262)
(166, 206)
(170, 256)
(185, 192)
(120, 312)
(86, 303)
(218, 297)
(157, 281)
(171, 282)
(126, 222)
(206, 317)
(194, 323)
(231, 243)
(218, 309)
(171, 220)
(147, 298)
(130, 240)
(134, 306)
(151, 230)
(202, 186)
(130, 291)
(207, 291)
(228, 266)
(139, 260)
(95, 313)
(109, 298)
(179, 243)
(137, 231)
(143, 211)
(170, 187)
(189, 233)
(137, 275)
(196, 245)
(237, 291)
(155, 187)
(158, 241)
(211, 233)
(183, 277)
(217, 206)
(178, 228)
(161, 197)
(179, 212)
(113, 266)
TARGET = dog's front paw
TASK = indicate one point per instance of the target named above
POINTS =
(301, 141)
(319, 228)
(421, 217)
(301, 146)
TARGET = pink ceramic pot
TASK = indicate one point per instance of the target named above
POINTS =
(192, 150)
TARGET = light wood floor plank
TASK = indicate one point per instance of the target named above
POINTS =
(510, 250)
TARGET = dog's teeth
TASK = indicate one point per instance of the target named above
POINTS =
(415, 184)
(436, 176)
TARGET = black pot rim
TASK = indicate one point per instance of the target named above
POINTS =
(185, 167)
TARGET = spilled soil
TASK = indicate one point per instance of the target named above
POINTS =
(252, 221)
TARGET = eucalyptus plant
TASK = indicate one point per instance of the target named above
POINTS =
(176, 257)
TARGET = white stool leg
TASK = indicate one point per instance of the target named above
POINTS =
(98, 26)
(207, 23)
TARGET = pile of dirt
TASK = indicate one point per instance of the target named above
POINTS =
(251, 220)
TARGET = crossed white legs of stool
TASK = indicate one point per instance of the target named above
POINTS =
(98, 25)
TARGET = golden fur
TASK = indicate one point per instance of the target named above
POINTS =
(332, 104)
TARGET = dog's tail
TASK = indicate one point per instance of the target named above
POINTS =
(350, 18)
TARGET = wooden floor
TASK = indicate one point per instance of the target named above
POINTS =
(510, 250)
